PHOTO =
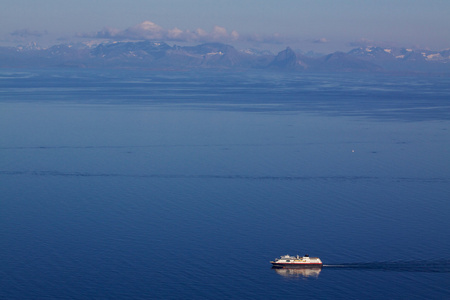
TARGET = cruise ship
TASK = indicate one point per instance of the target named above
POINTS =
(287, 261)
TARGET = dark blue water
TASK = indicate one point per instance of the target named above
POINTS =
(147, 185)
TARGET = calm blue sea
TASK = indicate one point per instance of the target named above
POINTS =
(118, 184)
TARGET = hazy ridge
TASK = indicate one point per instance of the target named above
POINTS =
(162, 56)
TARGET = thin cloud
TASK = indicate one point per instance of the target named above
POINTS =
(24, 33)
(275, 38)
(320, 41)
(363, 43)
(148, 30)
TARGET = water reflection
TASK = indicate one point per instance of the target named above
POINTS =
(298, 272)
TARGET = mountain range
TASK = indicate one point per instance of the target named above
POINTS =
(161, 56)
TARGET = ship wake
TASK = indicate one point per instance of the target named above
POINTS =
(426, 266)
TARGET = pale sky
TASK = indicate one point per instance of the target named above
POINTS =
(302, 24)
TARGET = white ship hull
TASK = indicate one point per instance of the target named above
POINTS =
(299, 265)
